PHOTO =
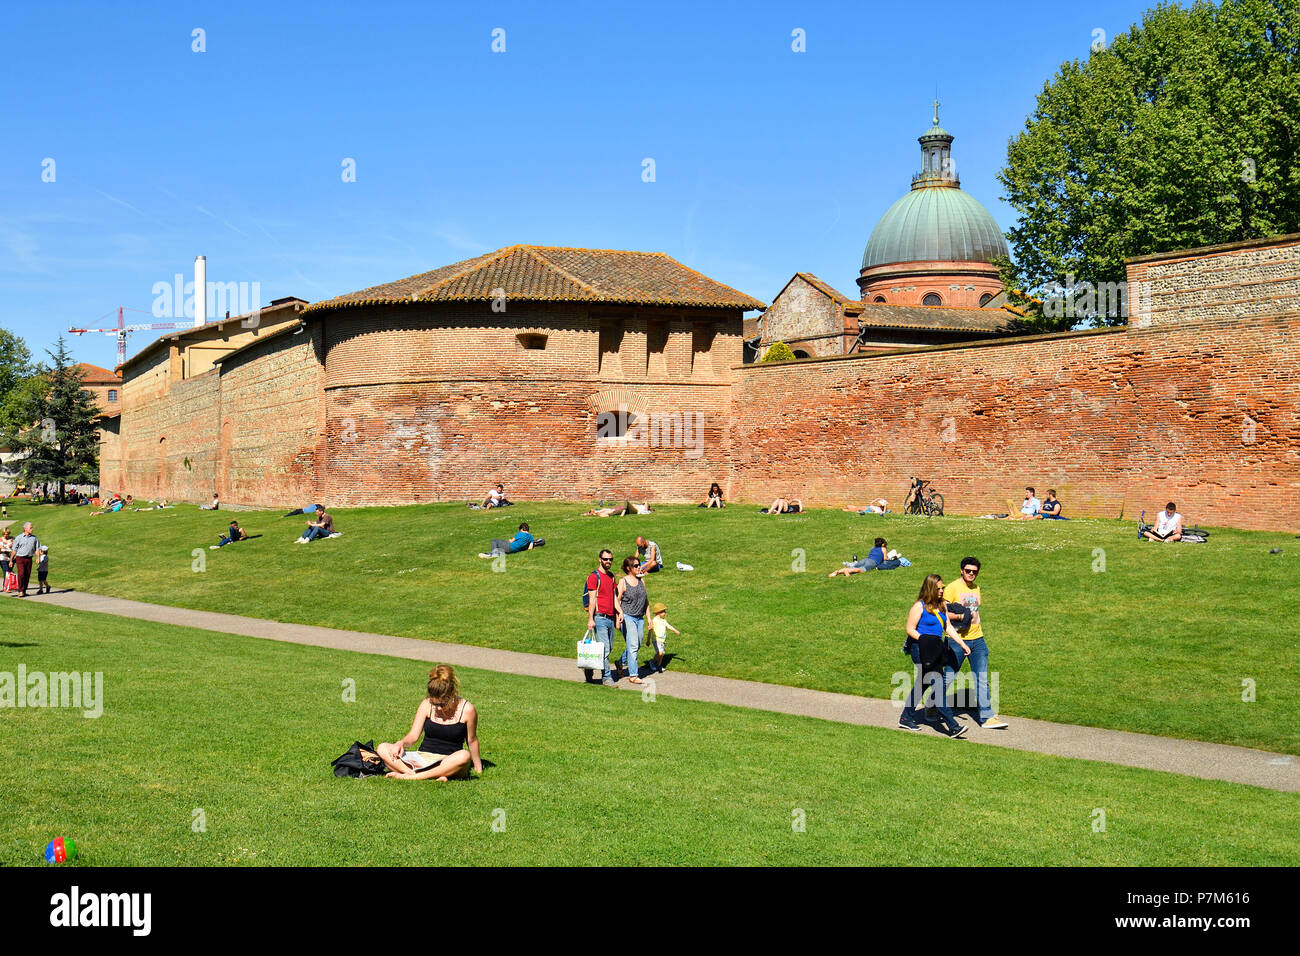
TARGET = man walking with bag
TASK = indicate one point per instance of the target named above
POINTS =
(966, 592)
(600, 609)
(25, 547)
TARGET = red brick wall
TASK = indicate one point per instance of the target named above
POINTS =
(167, 443)
(1115, 421)
(437, 403)
(272, 419)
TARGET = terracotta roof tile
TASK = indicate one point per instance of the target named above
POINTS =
(879, 315)
(552, 274)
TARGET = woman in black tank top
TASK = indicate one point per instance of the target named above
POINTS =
(449, 724)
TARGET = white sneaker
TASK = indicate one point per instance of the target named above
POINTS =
(337, 534)
(213, 547)
(482, 555)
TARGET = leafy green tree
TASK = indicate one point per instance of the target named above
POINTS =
(54, 427)
(1182, 132)
(15, 363)
(778, 352)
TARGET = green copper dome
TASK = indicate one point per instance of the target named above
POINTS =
(935, 222)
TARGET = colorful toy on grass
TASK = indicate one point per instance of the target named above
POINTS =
(60, 850)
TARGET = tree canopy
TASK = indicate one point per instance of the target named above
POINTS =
(1182, 132)
(52, 420)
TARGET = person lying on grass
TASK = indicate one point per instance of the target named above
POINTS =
(876, 559)
(627, 508)
(450, 726)
(522, 541)
(785, 506)
(877, 507)
(233, 533)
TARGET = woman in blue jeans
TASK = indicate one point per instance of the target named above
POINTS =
(632, 604)
(927, 625)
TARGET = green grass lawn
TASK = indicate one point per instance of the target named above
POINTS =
(243, 730)
(1160, 641)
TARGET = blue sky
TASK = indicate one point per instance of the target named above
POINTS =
(767, 161)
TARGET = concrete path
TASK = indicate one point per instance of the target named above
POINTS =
(1189, 757)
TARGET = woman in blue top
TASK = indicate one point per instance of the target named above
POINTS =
(927, 624)
(522, 541)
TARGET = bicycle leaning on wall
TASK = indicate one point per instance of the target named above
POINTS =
(922, 499)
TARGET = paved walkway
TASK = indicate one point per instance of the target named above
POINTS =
(1189, 757)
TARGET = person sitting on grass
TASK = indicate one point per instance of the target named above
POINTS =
(875, 560)
(714, 500)
(496, 498)
(785, 506)
(214, 506)
(878, 507)
(233, 533)
(1029, 508)
(322, 527)
(652, 558)
(450, 726)
(522, 541)
(1169, 525)
(1051, 506)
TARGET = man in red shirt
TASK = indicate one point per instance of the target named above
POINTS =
(601, 609)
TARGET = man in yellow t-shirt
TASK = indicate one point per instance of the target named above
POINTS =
(965, 591)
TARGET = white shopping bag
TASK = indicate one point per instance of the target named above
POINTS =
(591, 653)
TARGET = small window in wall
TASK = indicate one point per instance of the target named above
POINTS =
(800, 353)
(615, 423)
(932, 298)
(112, 394)
(985, 299)
(879, 298)
(531, 341)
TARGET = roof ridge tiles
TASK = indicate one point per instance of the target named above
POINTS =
(555, 267)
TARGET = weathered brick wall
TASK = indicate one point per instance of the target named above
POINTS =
(1223, 284)
(437, 403)
(1115, 421)
(168, 442)
(272, 422)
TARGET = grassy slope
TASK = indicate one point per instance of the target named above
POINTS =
(244, 729)
(1159, 642)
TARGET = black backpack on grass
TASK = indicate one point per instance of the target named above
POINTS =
(359, 761)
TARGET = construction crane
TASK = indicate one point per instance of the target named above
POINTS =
(121, 330)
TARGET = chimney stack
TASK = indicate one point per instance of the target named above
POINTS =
(200, 290)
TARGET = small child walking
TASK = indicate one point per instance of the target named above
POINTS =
(659, 626)
(43, 571)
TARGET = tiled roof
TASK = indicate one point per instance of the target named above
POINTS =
(94, 375)
(551, 274)
(880, 315)
(824, 287)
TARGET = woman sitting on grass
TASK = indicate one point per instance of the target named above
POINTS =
(714, 500)
(450, 727)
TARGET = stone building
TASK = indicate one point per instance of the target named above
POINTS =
(927, 276)
(560, 371)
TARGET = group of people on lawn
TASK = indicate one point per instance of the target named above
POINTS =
(18, 555)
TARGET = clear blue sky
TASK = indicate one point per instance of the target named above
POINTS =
(767, 161)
